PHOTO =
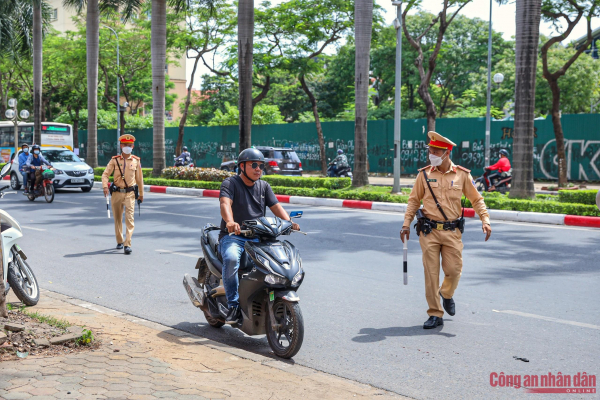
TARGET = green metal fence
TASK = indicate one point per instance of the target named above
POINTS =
(209, 146)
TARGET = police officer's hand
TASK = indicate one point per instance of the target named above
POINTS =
(295, 226)
(487, 230)
(105, 192)
(405, 233)
(141, 199)
(234, 227)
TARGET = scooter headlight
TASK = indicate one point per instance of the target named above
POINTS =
(273, 279)
(298, 278)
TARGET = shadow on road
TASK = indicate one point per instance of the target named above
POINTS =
(112, 250)
(371, 335)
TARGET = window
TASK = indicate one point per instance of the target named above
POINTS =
(60, 156)
(54, 14)
(286, 155)
(166, 68)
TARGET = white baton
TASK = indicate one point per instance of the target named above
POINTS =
(107, 206)
(405, 266)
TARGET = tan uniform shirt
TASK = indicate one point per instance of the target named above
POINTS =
(448, 189)
(132, 171)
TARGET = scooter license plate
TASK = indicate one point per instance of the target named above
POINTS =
(77, 180)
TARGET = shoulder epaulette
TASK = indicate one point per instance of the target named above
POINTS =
(117, 156)
(136, 157)
(463, 168)
(425, 168)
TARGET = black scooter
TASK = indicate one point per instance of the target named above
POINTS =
(270, 273)
(340, 173)
(500, 184)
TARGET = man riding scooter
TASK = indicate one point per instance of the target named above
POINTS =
(503, 165)
(34, 163)
(341, 161)
(243, 197)
(22, 167)
(184, 158)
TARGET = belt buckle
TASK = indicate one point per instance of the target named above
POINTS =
(440, 227)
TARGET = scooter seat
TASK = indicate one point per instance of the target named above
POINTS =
(213, 240)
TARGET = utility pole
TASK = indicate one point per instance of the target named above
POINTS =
(118, 91)
(398, 105)
(488, 115)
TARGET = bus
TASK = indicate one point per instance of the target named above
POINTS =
(53, 134)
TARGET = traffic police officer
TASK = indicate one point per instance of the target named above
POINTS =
(448, 183)
(127, 170)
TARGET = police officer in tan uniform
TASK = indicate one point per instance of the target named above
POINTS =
(127, 170)
(448, 183)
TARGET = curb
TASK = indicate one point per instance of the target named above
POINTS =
(501, 215)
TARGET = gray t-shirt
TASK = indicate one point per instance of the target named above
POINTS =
(249, 202)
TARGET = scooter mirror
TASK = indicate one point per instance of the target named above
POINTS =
(5, 170)
(296, 214)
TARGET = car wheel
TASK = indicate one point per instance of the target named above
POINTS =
(14, 182)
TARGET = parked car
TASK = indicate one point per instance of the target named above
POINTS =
(278, 160)
(71, 171)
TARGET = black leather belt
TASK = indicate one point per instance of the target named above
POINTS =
(126, 190)
(443, 225)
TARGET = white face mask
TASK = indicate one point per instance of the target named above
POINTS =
(127, 150)
(26, 150)
(36, 152)
(435, 160)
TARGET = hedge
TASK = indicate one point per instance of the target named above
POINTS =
(314, 183)
(544, 206)
(174, 183)
(98, 171)
(339, 194)
(196, 174)
(578, 196)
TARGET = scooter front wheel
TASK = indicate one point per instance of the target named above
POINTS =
(286, 338)
(23, 281)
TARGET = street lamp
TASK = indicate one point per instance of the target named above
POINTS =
(488, 116)
(397, 106)
(11, 115)
(118, 91)
(498, 79)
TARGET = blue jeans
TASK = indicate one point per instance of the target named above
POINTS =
(25, 177)
(231, 249)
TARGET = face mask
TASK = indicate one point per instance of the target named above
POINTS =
(36, 152)
(435, 160)
(127, 150)
(26, 150)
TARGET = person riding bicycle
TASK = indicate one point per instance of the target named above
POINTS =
(243, 197)
(503, 165)
(184, 158)
(341, 161)
(22, 167)
(34, 163)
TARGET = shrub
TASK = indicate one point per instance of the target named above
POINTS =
(196, 174)
(544, 206)
(146, 172)
(292, 181)
(578, 196)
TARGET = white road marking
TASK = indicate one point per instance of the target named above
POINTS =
(372, 236)
(179, 254)
(32, 228)
(68, 202)
(183, 215)
(560, 321)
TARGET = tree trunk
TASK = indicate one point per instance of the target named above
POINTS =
(313, 102)
(558, 133)
(429, 104)
(159, 54)
(245, 53)
(37, 72)
(186, 108)
(76, 130)
(363, 24)
(527, 38)
(92, 40)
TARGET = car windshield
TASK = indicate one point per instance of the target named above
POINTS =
(60, 156)
(286, 155)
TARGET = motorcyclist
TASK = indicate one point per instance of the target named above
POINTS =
(22, 169)
(243, 197)
(36, 159)
(341, 161)
(183, 158)
(503, 165)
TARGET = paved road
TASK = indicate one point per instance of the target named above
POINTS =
(526, 293)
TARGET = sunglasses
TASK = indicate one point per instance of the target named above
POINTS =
(255, 165)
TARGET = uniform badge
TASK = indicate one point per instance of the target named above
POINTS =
(431, 180)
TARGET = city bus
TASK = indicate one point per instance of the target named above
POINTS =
(53, 134)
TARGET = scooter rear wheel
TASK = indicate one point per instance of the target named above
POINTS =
(49, 193)
(285, 342)
(212, 321)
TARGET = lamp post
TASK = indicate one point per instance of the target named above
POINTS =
(122, 117)
(11, 114)
(488, 116)
(118, 92)
(397, 107)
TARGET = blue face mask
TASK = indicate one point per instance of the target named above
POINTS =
(26, 150)
(36, 152)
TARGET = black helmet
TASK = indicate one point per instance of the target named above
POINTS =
(185, 148)
(35, 147)
(503, 152)
(340, 151)
(250, 154)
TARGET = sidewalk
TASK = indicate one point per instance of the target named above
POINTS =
(139, 359)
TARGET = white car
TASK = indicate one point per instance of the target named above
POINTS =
(70, 170)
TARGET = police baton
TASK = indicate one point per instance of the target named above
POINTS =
(405, 248)
(139, 207)
(107, 206)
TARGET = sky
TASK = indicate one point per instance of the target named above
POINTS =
(503, 20)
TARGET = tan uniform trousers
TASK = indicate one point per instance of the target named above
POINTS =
(449, 245)
(120, 200)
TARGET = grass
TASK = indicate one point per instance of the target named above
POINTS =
(46, 319)
(376, 189)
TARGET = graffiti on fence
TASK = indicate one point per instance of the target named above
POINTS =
(583, 159)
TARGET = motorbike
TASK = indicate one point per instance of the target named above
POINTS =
(187, 162)
(46, 188)
(340, 173)
(17, 272)
(501, 184)
(270, 274)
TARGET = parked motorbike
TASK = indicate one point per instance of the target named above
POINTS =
(340, 173)
(17, 273)
(501, 184)
(270, 273)
(46, 188)
(187, 162)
